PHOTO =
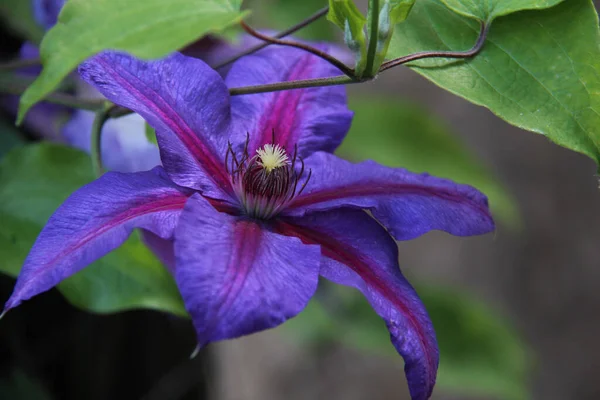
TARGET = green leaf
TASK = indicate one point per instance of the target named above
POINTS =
(480, 354)
(342, 11)
(538, 70)
(34, 181)
(408, 136)
(314, 326)
(351, 21)
(146, 29)
(391, 12)
(487, 10)
(400, 9)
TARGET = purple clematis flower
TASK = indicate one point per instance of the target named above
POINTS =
(250, 207)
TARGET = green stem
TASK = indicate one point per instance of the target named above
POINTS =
(472, 52)
(373, 34)
(301, 84)
(17, 85)
(20, 63)
(96, 140)
(117, 111)
(317, 52)
(280, 35)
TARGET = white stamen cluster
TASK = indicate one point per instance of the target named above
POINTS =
(272, 156)
(266, 182)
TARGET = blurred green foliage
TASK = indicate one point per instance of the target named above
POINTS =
(278, 15)
(17, 15)
(10, 137)
(19, 386)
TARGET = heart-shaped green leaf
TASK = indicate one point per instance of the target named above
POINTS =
(538, 70)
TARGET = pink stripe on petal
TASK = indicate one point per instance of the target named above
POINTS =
(202, 152)
(285, 111)
(95, 220)
(235, 276)
(247, 237)
(186, 102)
(375, 188)
(364, 268)
(167, 203)
(358, 252)
(313, 118)
(407, 204)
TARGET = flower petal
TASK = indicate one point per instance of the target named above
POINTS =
(95, 220)
(29, 51)
(314, 118)
(358, 252)
(45, 12)
(125, 147)
(235, 276)
(184, 100)
(407, 204)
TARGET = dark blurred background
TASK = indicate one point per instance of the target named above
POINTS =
(543, 276)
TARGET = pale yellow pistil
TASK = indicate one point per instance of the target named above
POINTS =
(272, 156)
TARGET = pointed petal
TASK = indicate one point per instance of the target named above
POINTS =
(95, 220)
(125, 147)
(184, 100)
(314, 118)
(358, 252)
(407, 204)
(235, 276)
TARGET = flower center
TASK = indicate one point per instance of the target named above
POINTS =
(271, 157)
(267, 181)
